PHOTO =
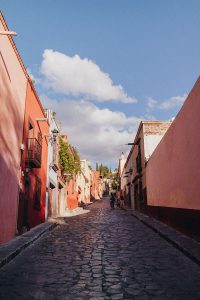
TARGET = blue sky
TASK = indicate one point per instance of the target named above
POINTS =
(149, 48)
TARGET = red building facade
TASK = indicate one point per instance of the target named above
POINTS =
(34, 163)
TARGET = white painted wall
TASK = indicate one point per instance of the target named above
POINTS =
(51, 173)
(84, 181)
(150, 143)
(80, 182)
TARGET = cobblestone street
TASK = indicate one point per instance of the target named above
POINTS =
(104, 254)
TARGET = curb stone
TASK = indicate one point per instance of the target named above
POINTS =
(186, 245)
(11, 249)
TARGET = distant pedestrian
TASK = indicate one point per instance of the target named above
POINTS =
(118, 199)
(121, 201)
(112, 200)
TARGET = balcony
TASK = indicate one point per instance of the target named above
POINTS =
(34, 153)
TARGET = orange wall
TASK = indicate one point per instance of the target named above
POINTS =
(33, 111)
(173, 171)
(12, 100)
(72, 195)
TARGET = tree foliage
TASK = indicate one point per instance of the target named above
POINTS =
(114, 185)
(104, 171)
(69, 160)
(77, 162)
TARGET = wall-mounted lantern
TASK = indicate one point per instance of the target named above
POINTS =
(55, 134)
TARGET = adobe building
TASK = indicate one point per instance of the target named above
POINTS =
(53, 199)
(72, 192)
(61, 189)
(173, 171)
(13, 83)
(84, 182)
(121, 164)
(148, 136)
(32, 197)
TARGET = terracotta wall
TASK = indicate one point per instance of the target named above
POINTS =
(12, 99)
(173, 171)
(33, 111)
(72, 195)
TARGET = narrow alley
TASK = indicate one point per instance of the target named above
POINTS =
(104, 254)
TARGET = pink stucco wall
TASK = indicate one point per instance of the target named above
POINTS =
(12, 105)
(173, 171)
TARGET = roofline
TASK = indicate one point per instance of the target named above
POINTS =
(2, 19)
(137, 134)
(36, 95)
(155, 121)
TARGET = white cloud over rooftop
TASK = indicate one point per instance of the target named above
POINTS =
(74, 76)
(175, 101)
(98, 134)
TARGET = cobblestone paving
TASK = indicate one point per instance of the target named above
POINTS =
(105, 254)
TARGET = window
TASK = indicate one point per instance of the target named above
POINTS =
(30, 136)
(37, 194)
(139, 160)
(30, 130)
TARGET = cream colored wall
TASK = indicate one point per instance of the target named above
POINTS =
(83, 183)
(80, 182)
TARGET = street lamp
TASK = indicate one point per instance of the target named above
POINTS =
(55, 134)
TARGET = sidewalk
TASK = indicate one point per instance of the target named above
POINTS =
(186, 245)
(73, 212)
(11, 249)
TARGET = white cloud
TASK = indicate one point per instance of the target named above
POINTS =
(98, 134)
(32, 77)
(172, 102)
(151, 103)
(74, 76)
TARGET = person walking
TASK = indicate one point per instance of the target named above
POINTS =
(112, 200)
(118, 198)
(122, 201)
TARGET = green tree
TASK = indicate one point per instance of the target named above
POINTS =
(69, 159)
(77, 162)
(114, 185)
(101, 169)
